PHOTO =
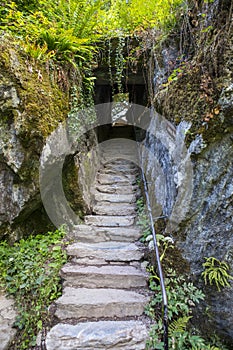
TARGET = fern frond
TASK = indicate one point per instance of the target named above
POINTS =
(179, 325)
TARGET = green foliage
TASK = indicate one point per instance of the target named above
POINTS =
(163, 242)
(50, 38)
(92, 19)
(136, 16)
(142, 220)
(29, 272)
(26, 5)
(183, 296)
(179, 325)
(70, 32)
(216, 272)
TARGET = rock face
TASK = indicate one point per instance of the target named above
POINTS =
(31, 106)
(7, 318)
(206, 226)
(203, 126)
(34, 103)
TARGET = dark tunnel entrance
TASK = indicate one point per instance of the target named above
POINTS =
(105, 94)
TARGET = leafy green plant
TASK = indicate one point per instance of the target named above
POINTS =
(216, 272)
(29, 272)
(142, 220)
(182, 296)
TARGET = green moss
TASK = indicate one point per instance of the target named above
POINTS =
(194, 87)
(43, 104)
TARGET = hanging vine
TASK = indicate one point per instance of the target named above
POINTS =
(109, 61)
(120, 62)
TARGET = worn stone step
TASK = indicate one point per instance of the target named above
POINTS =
(122, 167)
(109, 276)
(104, 252)
(119, 169)
(114, 209)
(115, 335)
(80, 303)
(110, 221)
(116, 188)
(91, 234)
(114, 198)
(108, 179)
(119, 152)
(120, 161)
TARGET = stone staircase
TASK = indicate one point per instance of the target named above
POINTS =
(104, 284)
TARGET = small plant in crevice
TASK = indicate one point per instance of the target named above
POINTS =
(29, 272)
(143, 221)
(163, 242)
(216, 272)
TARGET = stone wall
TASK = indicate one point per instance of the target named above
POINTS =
(32, 105)
(195, 193)
(195, 96)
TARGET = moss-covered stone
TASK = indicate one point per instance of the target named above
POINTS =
(32, 104)
(196, 79)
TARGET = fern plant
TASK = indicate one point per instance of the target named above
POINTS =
(216, 272)
(179, 325)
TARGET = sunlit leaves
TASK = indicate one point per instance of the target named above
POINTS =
(216, 272)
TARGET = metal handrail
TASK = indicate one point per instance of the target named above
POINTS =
(160, 271)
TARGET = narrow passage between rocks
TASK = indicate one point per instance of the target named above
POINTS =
(104, 284)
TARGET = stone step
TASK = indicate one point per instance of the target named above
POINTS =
(119, 151)
(107, 179)
(84, 303)
(119, 169)
(114, 209)
(115, 335)
(119, 166)
(114, 198)
(105, 252)
(109, 276)
(129, 163)
(91, 234)
(119, 160)
(110, 221)
(116, 188)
